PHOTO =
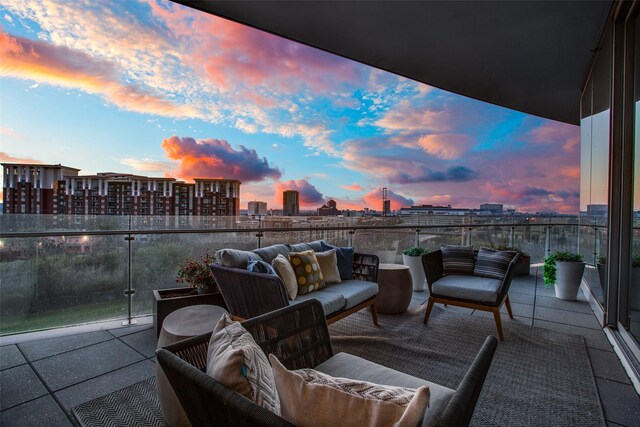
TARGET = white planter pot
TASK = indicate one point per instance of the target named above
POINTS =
(417, 272)
(568, 279)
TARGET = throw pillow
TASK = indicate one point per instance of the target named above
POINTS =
(235, 258)
(492, 263)
(285, 271)
(329, 266)
(309, 397)
(236, 361)
(457, 259)
(260, 267)
(308, 274)
(345, 259)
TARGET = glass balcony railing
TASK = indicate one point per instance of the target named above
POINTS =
(67, 270)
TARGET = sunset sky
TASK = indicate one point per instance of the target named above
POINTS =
(153, 88)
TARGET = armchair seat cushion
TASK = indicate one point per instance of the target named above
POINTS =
(331, 302)
(480, 289)
(349, 366)
(353, 291)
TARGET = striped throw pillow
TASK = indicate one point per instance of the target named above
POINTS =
(492, 263)
(457, 259)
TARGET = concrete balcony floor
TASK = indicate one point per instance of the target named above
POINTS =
(41, 380)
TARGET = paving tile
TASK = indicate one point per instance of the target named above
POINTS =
(145, 342)
(10, 356)
(593, 338)
(515, 296)
(620, 402)
(567, 317)
(607, 365)
(35, 350)
(553, 302)
(79, 365)
(105, 384)
(40, 412)
(522, 288)
(19, 385)
(131, 329)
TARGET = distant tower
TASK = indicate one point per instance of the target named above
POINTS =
(386, 203)
(257, 208)
(290, 203)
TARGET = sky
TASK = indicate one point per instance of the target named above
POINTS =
(153, 88)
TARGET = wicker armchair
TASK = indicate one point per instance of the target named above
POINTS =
(299, 337)
(249, 294)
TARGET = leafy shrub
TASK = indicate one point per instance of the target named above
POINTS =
(415, 251)
(508, 248)
(549, 267)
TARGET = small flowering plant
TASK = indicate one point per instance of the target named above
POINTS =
(196, 273)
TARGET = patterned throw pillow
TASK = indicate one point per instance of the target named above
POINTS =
(345, 259)
(492, 263)
(307, 394)
(285, 271)
(236, 361)
(307, 270)
(457, 259)
(260, 267)
(329, 266)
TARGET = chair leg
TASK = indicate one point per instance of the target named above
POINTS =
(508, 305)
(496, 316)
(429, 307)
(374, 313)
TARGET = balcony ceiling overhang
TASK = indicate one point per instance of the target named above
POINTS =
(530, 56)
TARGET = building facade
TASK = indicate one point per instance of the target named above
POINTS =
(290, 203)
(57, 189)
(257, 208)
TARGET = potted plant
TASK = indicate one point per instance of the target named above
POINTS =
(412, 257)
(564, 269)
(197, 274)
(523, 266)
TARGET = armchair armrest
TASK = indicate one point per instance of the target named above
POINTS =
(432, 266)
(508, 276)
(365, 267)
(249, 294)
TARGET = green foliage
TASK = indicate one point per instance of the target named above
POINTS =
(635, 261)
(415, 251)
(197, 273)
(602, 260)
(508, 248)
(549, 267)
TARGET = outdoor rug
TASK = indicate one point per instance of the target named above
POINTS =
(135, 405)
(537, 378)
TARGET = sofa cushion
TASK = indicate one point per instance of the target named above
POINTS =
(235, 258)
(345, 259)
(331, 302)
(492, 263)
(329, 266)
(475, 288)
(300, 247)
(350, 366)
(268, 253)
(235, 360)
(285, 271)
(457, 259)
(260, 267)
(353, 291)
(316, 245)
(310, 397)
(308, 273)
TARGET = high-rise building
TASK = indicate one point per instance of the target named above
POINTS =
(257, 208)
(290, 203)
(330, 209)
(56, 189)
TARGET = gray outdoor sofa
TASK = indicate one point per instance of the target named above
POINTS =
(298, 336)
(248, 294)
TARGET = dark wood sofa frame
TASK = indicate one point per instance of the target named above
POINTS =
(298, 336)
(249, 294)
(433, 269)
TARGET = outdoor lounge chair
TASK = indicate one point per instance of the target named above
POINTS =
(298, 336)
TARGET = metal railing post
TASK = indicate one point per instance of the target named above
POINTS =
(350, 242)
(469, 236)
(130, 291)
(511, 236)
(547, 242)
(416, 242)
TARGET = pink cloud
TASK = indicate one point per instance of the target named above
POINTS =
(352, 187)
(310, 196)
(373, 199)
(215, 158)
(446, 146)
(8, 158)
(557, 133)
(61, 66)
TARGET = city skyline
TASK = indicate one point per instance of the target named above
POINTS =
(187, 94)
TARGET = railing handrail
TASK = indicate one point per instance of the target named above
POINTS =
(80, 233)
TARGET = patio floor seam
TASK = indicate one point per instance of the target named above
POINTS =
(62, 352)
